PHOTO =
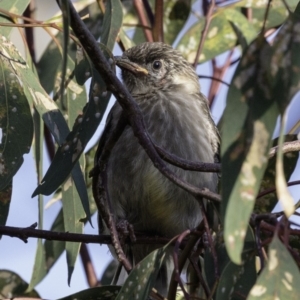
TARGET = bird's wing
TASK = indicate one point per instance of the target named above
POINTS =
(111, 122)
(103, 138)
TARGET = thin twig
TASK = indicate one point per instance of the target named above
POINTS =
(273, 189)
(210, 240)
(138, 5)
(259, 246)
(183, 258)
(149, 12)
(200, 276)
(293, 146)
(88, 266)
(204, 32)
(25, 233)
(100, 193)
(266, 17)
(32, 232)
(177, 268)
(218, 72)
(214, 78)
(187, 164)
(158, 28)
(137, 25)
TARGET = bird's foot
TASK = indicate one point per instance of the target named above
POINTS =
(125, 229)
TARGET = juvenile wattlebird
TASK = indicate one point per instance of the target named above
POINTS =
(177, 118)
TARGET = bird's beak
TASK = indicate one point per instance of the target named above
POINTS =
(125, 63)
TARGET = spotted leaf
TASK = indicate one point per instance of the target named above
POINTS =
(142, 278)
(280, 278)
(16, 126)
(102, 292)
(245, 142)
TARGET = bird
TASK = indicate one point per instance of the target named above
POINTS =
(177, 118)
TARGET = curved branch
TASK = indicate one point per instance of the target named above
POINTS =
(273, 189)
(187, 164)
(287, 147)
(204, 32)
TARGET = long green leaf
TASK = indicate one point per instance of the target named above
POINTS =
(245, 142)
(72, 203)
(72, 147)
(112, 23)
(52, 250)
(142, 278)
(15, 117)
(34, 92)
(64, 4)
(5, 199)
(73, 221)
(51, 59)
(39, 262)
(285, 61)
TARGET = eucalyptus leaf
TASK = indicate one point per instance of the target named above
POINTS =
(5, 200)
(245, 142)
(74, 143)
(285, 61)
(51, 59)
(102, 292)
(39, 261)
(142, 278)
(112, 23)
(280, 277)
(12, 285)
(51, 251)
(16, 123)
(73, 221)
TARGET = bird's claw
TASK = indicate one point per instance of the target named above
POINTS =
(125, 229)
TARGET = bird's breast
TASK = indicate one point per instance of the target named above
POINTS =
(139, 192)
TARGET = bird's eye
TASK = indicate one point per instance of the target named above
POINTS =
(157, 64)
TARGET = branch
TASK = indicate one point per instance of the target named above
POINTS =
(178, 267)
(27, 232)
(138, 5)
(88, 266)
(31, 232)
(187, 164)
(218, 72)
(158, 28)
(287, 147)
(214, 78)
(100, 193)
(273, 189)
(205, 31)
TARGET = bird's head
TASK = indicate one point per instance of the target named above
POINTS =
(156, 66)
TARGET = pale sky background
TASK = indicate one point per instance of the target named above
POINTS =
(18, 256)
